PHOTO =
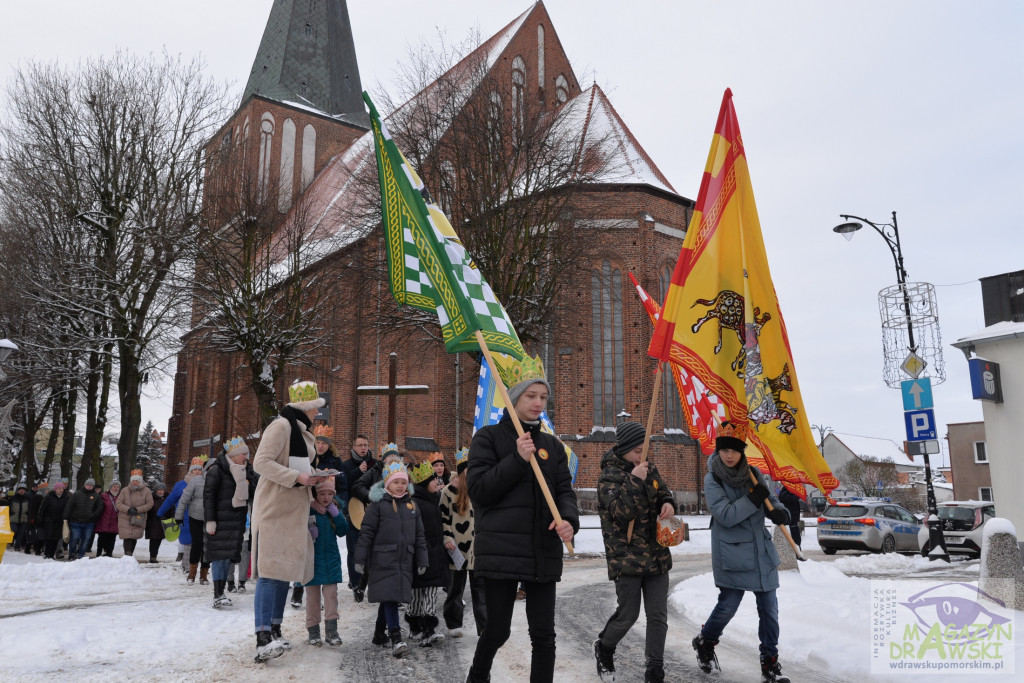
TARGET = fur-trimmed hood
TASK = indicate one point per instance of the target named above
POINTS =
(377, 491)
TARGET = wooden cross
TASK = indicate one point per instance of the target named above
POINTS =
(392, 391)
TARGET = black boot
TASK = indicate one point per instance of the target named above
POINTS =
(380, 637)
(266, 647)
(275, 630)
(654, 674)
(415, 626)
(231, 586)
(398, 646)
(219, 599)
(771, 670)
(706, 657)
(297, 597)
(430, 634)
(605, 662)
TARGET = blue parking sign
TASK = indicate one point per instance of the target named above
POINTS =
(920, 424)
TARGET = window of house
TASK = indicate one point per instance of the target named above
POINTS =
(561, 89)
(980, 456)
(494, 121)
(518, 94)
(670, 393)
(540, 56)
(266, 140)
(985, 493)
(609, 357)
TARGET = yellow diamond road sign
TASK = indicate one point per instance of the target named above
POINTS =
(914, 365)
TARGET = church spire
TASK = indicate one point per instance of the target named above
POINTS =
(307, 57)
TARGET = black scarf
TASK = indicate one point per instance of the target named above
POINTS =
(738, 476)
(296, 444)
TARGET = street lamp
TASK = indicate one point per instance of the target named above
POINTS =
(890, 232)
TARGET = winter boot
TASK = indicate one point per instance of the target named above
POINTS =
(379, 636)
(192, 568)
(706, 657)
(415, 626)
(314, 636)
(152, 559)
(241, 586)
(605, 662)
(357, 593)
(654, 674)
(332, 637)
(204, 576)
(177, 560)
(771, 670)
(297, 597)
(398, 646)
(431, 634)
(231, 586)
(219, 599)
(275, 630)
(266, 647)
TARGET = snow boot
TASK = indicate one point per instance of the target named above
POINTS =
(219, 599)
(706, 657)
(204, 576)
(380, 638)
(332, 637)
(654, 674)
(241, 586)
(231, 586)
(605, 662)
(771, 670)
(177, 560)
(430, 633)
(192, 568)
(297, 597)
(152, 559)
(358, 593)
(415, 626)
(398, 646)
(275, 630)
(314, 636)
(266, 647)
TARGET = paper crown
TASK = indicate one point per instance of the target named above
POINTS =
(435, 457)
(422, 472)
(323, 432)
(137, 473)
(395, 469)
(235, 444)
(303, 391)
(196, 462)
(461, 456)
(516, 371)
(389, 449)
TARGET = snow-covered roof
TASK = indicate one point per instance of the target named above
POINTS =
(878, 448)
(997, 332)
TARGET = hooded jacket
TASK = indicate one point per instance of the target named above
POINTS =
(391, 546)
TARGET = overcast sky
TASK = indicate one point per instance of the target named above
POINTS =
(860, 108)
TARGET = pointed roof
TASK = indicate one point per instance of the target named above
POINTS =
(307, 58)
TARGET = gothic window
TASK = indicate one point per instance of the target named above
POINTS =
(540, 56)
(561, 89)
(494, 120)
(308, 154)
(609, 357)
(670, 394)
(518, 99)
(266, 140)
(287, 185)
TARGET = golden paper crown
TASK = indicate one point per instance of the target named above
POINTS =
(303, 391)
(435, 457)
(421, 472)
(461, 456)
(393, 469)
(234, 444)
(388, 449)
(516, 371)
(136, 473)
(196, 462)
(323, 432)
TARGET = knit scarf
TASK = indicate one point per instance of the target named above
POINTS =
(296, 444)
(319, 507)
(738, 476)
(241, 495)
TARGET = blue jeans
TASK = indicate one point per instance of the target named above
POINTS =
(767, 613)
(388, 613)
(220, 569)
(81, 538)
(268, 603)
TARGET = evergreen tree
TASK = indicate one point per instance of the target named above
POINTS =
(150, 458)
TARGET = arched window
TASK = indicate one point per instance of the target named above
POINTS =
(287, 177)
(518, 99)
(308, 154)
(609, 357)
(266, 140)
(670, 394)
(540, 56)
(561, 89)
(493, 121)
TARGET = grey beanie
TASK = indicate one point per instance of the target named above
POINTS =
(628, 436)
(515, 392)
(90, 482)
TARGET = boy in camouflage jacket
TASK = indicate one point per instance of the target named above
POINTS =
(633, 491)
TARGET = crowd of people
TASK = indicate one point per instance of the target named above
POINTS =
(417, 536)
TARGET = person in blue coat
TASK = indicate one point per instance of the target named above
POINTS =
(743, 557)
(327, 525)
(168, 507)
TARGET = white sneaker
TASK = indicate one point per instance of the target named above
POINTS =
(222, 601)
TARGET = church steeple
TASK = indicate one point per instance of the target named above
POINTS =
(307, 57)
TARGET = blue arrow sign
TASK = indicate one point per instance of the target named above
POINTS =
(920, 424)
(917, 393)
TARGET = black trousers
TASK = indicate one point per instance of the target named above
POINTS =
(154, 547)
(105, 543)
(453, 607)
(129, 546)
(197, 528)
(540, 616)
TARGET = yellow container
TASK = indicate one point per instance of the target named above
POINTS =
(6, 535)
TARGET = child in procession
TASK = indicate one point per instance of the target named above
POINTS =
(422, 611)
(326, 525)
(457, 523)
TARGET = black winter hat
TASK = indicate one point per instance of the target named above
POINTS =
(628, 436)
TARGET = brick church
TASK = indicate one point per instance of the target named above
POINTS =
(303, 121)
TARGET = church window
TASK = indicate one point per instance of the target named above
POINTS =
(540, 56)
(518, 86)
(266, 140)
(609, 357)
(670, 393)
(561, 89)
(287, 184)
(308, 154)
(493, 121)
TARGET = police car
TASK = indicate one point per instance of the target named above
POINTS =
(874, 524)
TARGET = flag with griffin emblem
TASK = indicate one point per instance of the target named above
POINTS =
(721, 319)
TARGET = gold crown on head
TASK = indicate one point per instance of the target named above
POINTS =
(323, 432)
(421, 472)
(303, 391)
(461, 456)
(435, 457)
(520, 371)
(388, 450)
(136, 473)
(237, 442)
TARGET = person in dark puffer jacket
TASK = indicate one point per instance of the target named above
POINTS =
(631, 491)
(422, 612)
(225, 505)
(517, 538)
(81, 514)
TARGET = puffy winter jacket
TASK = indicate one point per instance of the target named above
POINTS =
(154, 529)
(170, 506)
(622, 498)
(326, 556)
(218, 490)
(107, 523)
(436, 574)
(50, 520)
(191, 502)
(512, 517)
(391, 547)
(19, 508)
(85, 507)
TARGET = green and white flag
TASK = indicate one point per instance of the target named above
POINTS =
(428, 267)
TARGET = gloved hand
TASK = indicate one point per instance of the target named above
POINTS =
(420, 570)
(779, 516)
(179, 522)
(332, 510)
(314, 532)
(211, 528)
(360, 569)
(132, 511)
(758, 495)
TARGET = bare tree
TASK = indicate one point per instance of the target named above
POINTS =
(869, 476)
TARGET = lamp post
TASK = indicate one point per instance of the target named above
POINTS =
(890, 232)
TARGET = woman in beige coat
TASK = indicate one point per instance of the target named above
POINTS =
(133, 503)
(282, 549)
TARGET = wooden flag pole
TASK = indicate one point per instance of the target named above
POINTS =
(647, 435)
(519, 429)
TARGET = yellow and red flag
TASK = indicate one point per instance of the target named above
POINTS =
(721, 319)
